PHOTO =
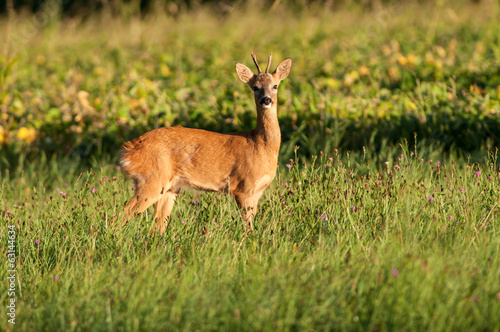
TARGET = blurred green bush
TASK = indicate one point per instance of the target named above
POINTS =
(82, 86)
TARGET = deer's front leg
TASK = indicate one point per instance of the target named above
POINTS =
(248, 205)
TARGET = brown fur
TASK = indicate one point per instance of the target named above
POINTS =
(165, 160)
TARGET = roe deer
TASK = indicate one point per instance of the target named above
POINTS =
(165, 160)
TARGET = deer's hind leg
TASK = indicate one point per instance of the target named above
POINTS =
(146, 194)
(163, 209)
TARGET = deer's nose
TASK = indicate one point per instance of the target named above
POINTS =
(266, 101)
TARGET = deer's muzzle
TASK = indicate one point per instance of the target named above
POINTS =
(266, 101)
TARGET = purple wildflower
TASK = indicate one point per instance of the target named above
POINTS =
(395, 273)
(37, 241)
(288, 165)
(477, 173)
(431, 199)
(377, 182)
(324, 217)
(93, 190)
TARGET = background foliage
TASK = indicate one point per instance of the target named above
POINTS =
(82, 86)
(174, 7)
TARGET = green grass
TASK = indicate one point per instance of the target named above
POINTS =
(339, 244)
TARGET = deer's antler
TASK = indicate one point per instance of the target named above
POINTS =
(269, 63)
(256, 63)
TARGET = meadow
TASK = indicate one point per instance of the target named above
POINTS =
(384, 214)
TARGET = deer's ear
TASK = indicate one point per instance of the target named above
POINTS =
(283, 69)
(244, 73)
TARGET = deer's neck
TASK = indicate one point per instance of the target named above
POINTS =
(268, 128)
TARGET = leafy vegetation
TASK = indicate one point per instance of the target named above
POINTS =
(401, 233)
(359, 79)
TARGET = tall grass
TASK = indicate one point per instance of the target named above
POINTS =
(339, 244)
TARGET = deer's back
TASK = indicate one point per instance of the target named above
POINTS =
(183, 157)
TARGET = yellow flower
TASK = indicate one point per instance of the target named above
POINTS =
(165, 70)
(411, 105)
(364, 71)
(403, 61)
(412, 59)
(26, 134)
(3, 137)
(350, 78)
(332, 83)
(477, 90)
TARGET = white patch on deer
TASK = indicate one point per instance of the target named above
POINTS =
(125, 163)
(262, 183)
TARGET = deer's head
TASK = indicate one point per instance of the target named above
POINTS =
(264, 84)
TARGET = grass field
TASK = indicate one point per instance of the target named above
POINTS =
(365, 228)
(338, 245)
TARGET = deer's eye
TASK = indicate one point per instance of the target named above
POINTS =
(275, 87)
(255, 88)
